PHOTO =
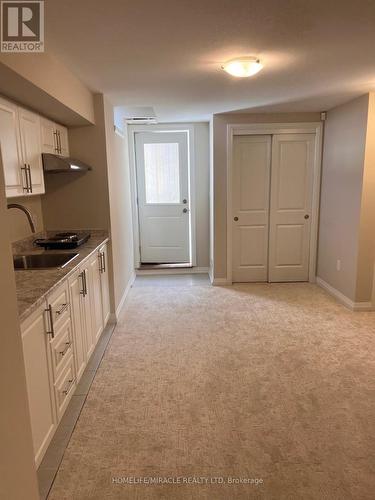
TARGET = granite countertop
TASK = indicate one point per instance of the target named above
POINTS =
(34, 285)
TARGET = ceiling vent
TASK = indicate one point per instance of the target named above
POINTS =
(140, 116)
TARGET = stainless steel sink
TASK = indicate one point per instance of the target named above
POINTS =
(43, 260)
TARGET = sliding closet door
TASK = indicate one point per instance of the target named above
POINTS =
(290, 210)
(250, 207)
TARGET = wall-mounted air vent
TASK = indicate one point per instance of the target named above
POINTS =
(140, 116)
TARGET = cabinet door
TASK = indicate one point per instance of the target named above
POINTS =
(48, 136)
(76, 288)
(96, 297)
(31, 149)
(86, 305)
(10, 149)
(63, 140)
(39, 382)
(104, 283)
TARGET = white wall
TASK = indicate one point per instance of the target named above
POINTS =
(347, 212)
(120, 207)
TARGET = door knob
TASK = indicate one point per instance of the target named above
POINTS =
(185, 210)
(184, 201)
(307, 216)
(236, 219)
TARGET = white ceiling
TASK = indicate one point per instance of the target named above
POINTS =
(167, 53)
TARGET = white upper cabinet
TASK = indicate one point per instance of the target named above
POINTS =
(62, 137)
(48, 136)
(54, 138)
(15, 180)
(31, 151)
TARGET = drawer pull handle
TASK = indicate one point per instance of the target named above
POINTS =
(67, 345)
(51, 331)
(70, 383)
(63, 308)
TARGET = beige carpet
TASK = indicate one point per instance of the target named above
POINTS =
(268, 382)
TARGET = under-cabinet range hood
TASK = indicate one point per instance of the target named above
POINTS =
(55, 164)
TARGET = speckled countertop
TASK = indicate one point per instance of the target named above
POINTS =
(33, 286)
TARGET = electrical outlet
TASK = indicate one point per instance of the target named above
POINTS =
(338, 265)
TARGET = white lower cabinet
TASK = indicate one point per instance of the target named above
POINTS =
(58, 340)
(77, 299)
(39, 381)
(104, 283)
(94, 283)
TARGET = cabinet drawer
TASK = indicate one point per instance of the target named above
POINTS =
(61, 347)
(58, 301)
(64, 387)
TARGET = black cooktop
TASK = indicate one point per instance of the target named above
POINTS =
(63, 240)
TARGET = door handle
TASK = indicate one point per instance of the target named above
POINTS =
(184, 201)
(307, 216)
(235, 218)
(185, 210)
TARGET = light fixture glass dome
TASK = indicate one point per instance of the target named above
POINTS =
(243, 66)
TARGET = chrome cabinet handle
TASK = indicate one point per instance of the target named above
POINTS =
(52, 331)
(67, 344)
(30, 180)
(24, 169)
(84, 283)
(70, 383)
(63, 308)
(82, 276)
(59, 141)
(56, 141)
(102, 262)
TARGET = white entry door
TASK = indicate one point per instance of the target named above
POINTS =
(272, 180)
(250, 194)
(291, 199)
(162, 163)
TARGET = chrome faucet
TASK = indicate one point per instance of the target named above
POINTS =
(26, 212)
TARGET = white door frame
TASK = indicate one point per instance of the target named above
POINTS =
(272, 129)
(189, 129)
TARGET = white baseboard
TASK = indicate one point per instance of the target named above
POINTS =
(166, 271)
(343, 299)
(220, 282)
(124, 295)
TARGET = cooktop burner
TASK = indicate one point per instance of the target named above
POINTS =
(63, 240)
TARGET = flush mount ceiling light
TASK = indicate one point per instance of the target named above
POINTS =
(243, 66)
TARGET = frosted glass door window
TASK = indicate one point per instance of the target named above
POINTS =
(162, 173)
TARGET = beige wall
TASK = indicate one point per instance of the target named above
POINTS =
(19, 227)
(120, 207)
(202, 192)
(41, 82)
(17, 468)
(219, 216)
(341, 199)
(80, 200)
